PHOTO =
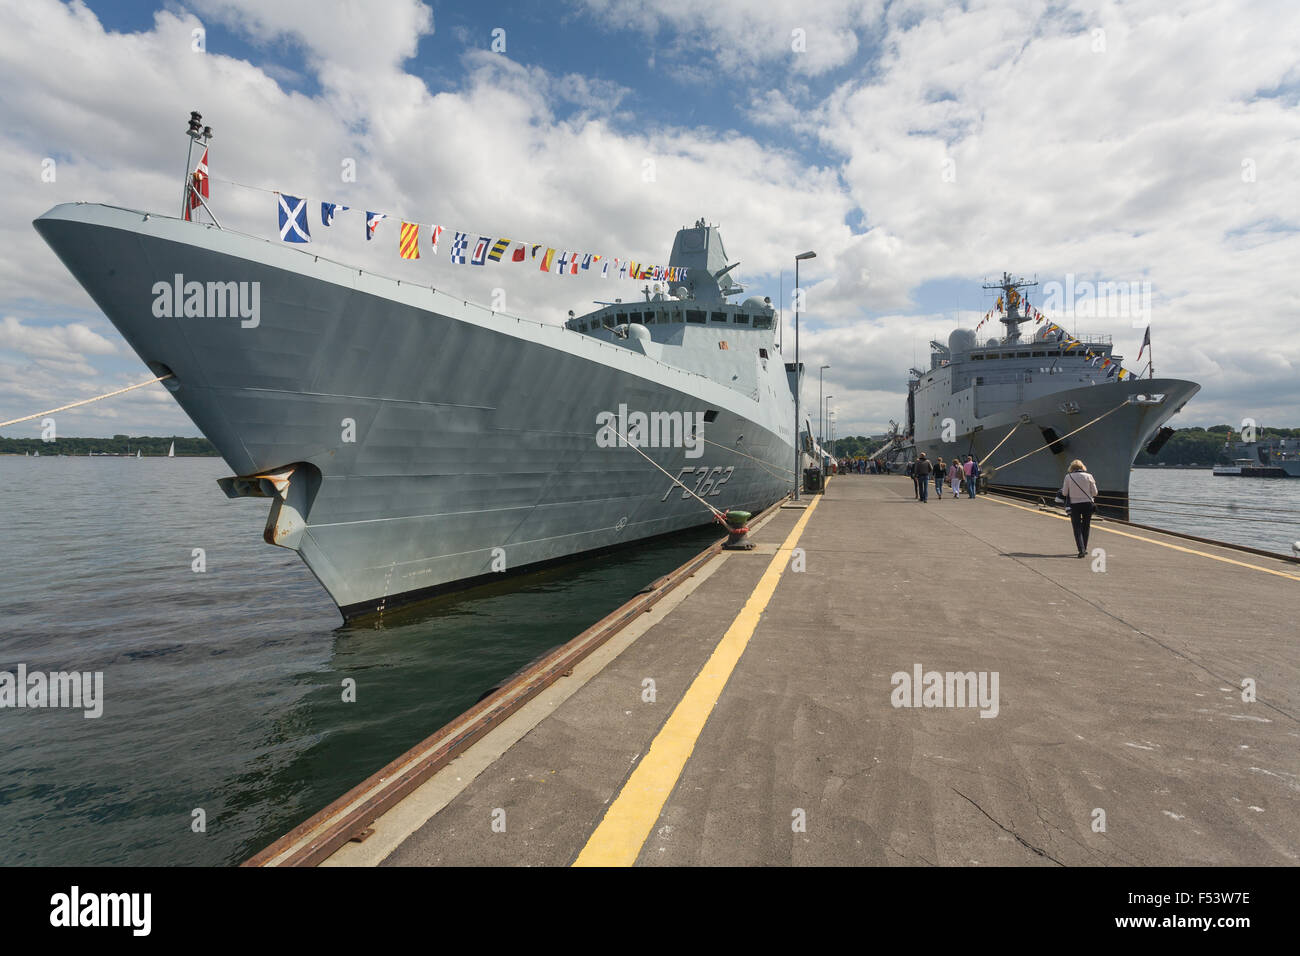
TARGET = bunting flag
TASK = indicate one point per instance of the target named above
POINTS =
(408, 240)
(373, 219)
(328, 210)
(293, 219)
(998, 304)
(1146, 340)
(562, 264)
(604, 271)
(520, 253)
(199, 187)
(499, 249)
(586, 261)
(622, 270)
(547, 258)
(573, 265)
(480, 251)
(459, 243)
(435, 232)
(536, 246)
(1113, 370)
(1095, 359)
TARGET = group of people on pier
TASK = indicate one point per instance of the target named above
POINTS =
(961, 475)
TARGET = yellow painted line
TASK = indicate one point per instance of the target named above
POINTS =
(618, 839)
(1163, 544)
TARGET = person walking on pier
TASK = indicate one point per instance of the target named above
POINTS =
(939, 472)
(1080, 492)
(956, 475)
(972, 469)
(923, 470)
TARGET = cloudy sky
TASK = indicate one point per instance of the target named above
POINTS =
(919, 147)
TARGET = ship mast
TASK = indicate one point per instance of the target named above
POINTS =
(1011, 300)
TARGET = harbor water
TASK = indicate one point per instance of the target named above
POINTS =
(224, 687)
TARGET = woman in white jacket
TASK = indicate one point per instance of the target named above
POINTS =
(1080, 492)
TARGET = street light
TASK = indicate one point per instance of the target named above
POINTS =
(826, 408)
(798, 380)
(821, 419)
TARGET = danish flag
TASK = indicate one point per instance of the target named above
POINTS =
(198, 184)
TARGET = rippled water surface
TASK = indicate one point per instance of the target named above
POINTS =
(223, 688)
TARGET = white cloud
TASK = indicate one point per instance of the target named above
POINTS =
(1120, 164)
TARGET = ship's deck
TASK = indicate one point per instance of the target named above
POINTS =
(772, 738)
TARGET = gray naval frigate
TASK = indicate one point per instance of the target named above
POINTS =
(412, 442)
(1029, 407)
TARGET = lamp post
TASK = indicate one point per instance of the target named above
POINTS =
(826, 407)
(798, 381)
(821, 419)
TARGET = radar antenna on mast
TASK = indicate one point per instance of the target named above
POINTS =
(1011, 300)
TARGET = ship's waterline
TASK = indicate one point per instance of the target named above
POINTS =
(410, 441)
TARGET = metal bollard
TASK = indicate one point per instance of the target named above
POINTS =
(737, 523)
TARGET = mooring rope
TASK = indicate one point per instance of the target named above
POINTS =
(1051, 443)
(716, 513)
(1001, 443)
(756, 461)
(85, 401)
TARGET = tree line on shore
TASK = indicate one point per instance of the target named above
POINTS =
(117, 445)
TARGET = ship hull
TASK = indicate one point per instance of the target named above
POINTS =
(412, 442)
(1107, 448)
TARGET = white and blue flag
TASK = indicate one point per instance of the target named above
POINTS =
(293, 219)
(458, 245)
(328, 210)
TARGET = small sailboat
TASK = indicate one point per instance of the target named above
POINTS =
(171, 452)
(139, 453)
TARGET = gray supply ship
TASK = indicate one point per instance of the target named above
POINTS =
(1028, 407)
(1269, 458)
(414, 442)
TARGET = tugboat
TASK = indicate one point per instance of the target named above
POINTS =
(1026, 407)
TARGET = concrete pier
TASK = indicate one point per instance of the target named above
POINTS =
(1144, 711)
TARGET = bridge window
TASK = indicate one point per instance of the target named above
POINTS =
(1039, 354)
(649, 318)
(762, 321)
(742, 319)
(694, 315)
(634, 317)
(1054, 354)
(719, 317)
(620, 318)
(977, 358)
